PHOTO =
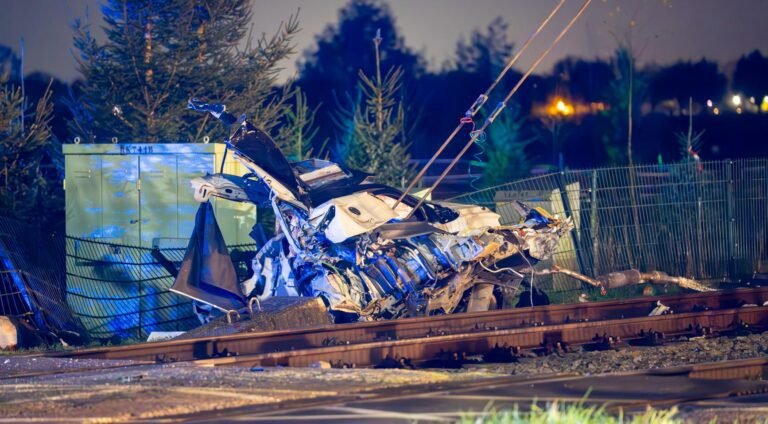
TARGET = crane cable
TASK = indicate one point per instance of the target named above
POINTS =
(500, 107)
(478, 104)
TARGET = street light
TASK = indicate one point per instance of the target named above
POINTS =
(560, 108)
(736, 100)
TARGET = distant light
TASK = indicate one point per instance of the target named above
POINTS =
(764, 105)
(738, 110)
(560, 108)
(736, 100)
(716, 111)
(752, 100)
(709, 103)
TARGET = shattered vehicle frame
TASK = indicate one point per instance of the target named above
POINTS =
(355, 245)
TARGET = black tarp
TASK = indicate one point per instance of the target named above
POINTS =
(207, 273)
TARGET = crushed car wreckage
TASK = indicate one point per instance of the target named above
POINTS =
(352, 243)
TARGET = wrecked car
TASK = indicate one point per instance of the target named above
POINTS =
(368, 251)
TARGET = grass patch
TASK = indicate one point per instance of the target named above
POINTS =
(569, 413)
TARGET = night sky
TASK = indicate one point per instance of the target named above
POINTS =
(661, 31)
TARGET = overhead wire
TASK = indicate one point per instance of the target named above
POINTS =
(478, 104)
(500, 107)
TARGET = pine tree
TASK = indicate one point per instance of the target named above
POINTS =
(377, 140)
(504, 149)
(296, 138)
(160, 53)
(327, 69)
(27, 190)
(486, 53)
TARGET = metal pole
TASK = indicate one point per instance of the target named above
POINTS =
(569, 212)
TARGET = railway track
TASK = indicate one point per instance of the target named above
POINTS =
(367, 344)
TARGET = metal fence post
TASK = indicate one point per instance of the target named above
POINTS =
(731, 189)
(140, 328)
(569, 212)
(594, 225)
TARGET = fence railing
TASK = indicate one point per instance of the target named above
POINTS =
(708, 223)
(120, 291)
(32, 284)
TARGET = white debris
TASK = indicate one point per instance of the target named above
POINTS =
(9, 336)
(157, 336)
(660, 309)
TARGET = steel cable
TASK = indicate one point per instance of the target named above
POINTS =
(478, 104)
(499, 107)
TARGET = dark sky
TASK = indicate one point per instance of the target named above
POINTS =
(662, 31)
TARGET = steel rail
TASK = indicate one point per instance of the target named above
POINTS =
(425, 348)
(520, 319)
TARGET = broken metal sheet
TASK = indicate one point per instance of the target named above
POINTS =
(355, 214)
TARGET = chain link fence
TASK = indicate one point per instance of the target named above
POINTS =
(32, 283)
(120, 291)
(707, 222)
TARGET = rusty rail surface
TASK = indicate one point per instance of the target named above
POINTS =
(368, 343)
(366, 354)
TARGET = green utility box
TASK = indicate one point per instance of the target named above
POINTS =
(130, 212)
(140, 195)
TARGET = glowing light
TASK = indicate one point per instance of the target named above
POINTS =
(736, 100)
(709, 103)
(560, 108)
(752, 100)
(716, 111)
(738, 110)
(764, 105)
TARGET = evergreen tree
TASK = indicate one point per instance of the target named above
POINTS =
(504, 149)
(30, 187)
(500, 154)
(749, 77)
(377, 140)
(160, 53)
(297, 136)
(486, 53)
(327, 71)
(680, 81)
(586, 80)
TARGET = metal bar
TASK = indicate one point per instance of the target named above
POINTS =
(569, 212)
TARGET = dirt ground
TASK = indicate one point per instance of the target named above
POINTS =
(66, 390)
(152, 391)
